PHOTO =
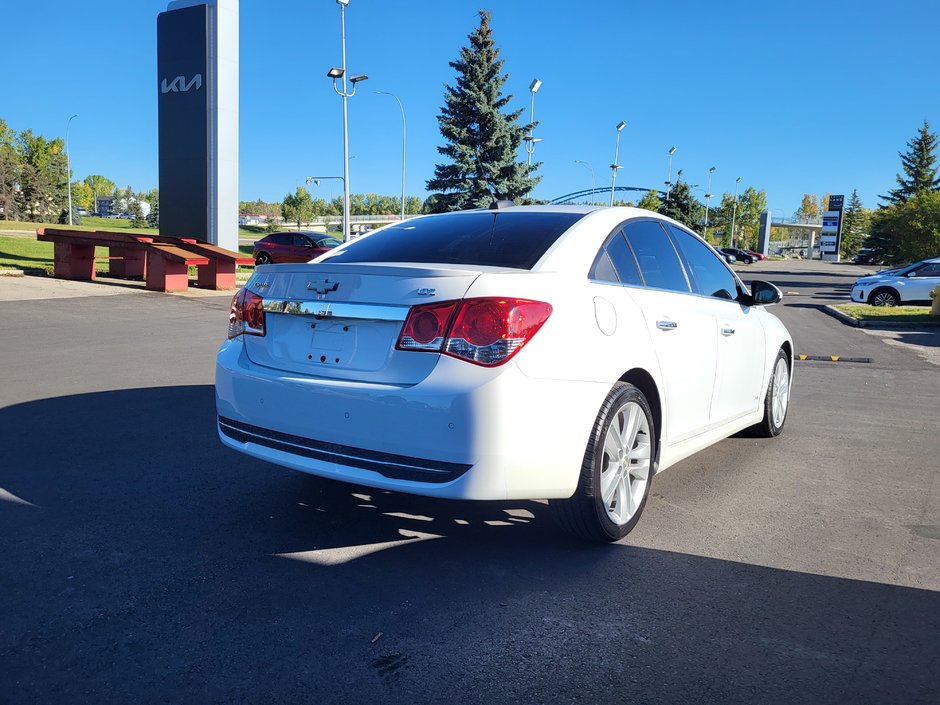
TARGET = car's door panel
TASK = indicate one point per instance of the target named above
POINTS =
(682, 329)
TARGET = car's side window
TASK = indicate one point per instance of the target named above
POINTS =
(709, 274)
(658, 260)
(928, 270)
(616, 263)
(301, 241)
(283, 239)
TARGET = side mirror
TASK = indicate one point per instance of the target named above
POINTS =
(764, 293)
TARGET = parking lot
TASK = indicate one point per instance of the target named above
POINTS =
(143, 562)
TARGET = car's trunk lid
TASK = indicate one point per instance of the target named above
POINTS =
(342, 321)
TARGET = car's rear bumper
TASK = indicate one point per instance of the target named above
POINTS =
(464, 432)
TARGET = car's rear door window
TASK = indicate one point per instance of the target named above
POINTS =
(487, 238)
(616, 263)
(657, 258)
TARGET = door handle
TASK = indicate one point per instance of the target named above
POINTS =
(667, 325)
(727, 331)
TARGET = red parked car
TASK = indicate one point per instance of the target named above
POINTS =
(758, 255)
(294, 246)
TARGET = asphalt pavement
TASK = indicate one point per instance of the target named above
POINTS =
(141, 562)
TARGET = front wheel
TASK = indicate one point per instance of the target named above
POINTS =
(777, 399)
(263, 258)
(616, 471)
(884, 297)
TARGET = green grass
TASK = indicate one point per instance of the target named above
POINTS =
(909, 314)
(23, 252)
(245, 232)
(88, 223)
(28, 253)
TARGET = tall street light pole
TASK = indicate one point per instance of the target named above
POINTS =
(593, 177)
(403, 138)
(337, 73)
(68, 165)
(734, 210)
(615, 165)
(708, 195)
(530, 138)
(672, 150)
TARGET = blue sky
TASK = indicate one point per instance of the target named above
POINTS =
(793, 97)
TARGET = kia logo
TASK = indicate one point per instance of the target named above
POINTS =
(179, 84)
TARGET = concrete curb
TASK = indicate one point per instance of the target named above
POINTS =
(849, 321)
(844, 317)
(12, 272)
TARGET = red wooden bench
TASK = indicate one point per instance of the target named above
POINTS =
(164, 266)
(220, 272)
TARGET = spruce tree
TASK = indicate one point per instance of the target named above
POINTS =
(482, 140)
(682, 206)
(920, 166)
(854, 226)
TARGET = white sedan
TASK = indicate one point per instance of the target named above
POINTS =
(561, 353)
(910, 284)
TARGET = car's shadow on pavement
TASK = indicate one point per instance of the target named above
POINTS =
(143, 562)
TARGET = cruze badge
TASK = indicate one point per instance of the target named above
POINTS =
(426, 292)
(323, 286)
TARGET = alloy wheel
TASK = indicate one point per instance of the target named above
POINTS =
(626, 463)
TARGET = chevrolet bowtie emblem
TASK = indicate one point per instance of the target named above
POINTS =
(323, 286)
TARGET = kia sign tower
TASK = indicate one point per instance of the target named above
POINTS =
(197, 87)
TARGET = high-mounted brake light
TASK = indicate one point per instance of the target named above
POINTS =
(485, 331)
(246, 315)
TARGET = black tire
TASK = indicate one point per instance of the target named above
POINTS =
(584, 514)
(263, 258)
(884, 297)
(771, 426)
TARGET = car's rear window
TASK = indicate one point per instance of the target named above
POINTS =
(486, 238)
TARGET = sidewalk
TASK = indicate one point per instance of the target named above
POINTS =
(31, 288)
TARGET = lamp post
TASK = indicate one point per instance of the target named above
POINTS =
(315, 180)
(593, 177)
(708, 196)
(672, 150)
(337, 73)
(530, 139)
(615, 165)
(68, 165)
(403, 138)
(734, 210)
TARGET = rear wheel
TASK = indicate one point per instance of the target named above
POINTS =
(263, 258)
(777, 399)
(884, 297)
(616, 471)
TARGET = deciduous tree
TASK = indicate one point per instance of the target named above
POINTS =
(10, 173)
(100, 187)
(908, 231)
(43, 176)
(297, 207)
(650, 201)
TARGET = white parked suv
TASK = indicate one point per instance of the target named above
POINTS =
(562, 353)
(910, 284)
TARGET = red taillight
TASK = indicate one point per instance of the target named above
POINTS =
(426, 326)
(246, 315)
(485, 331)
